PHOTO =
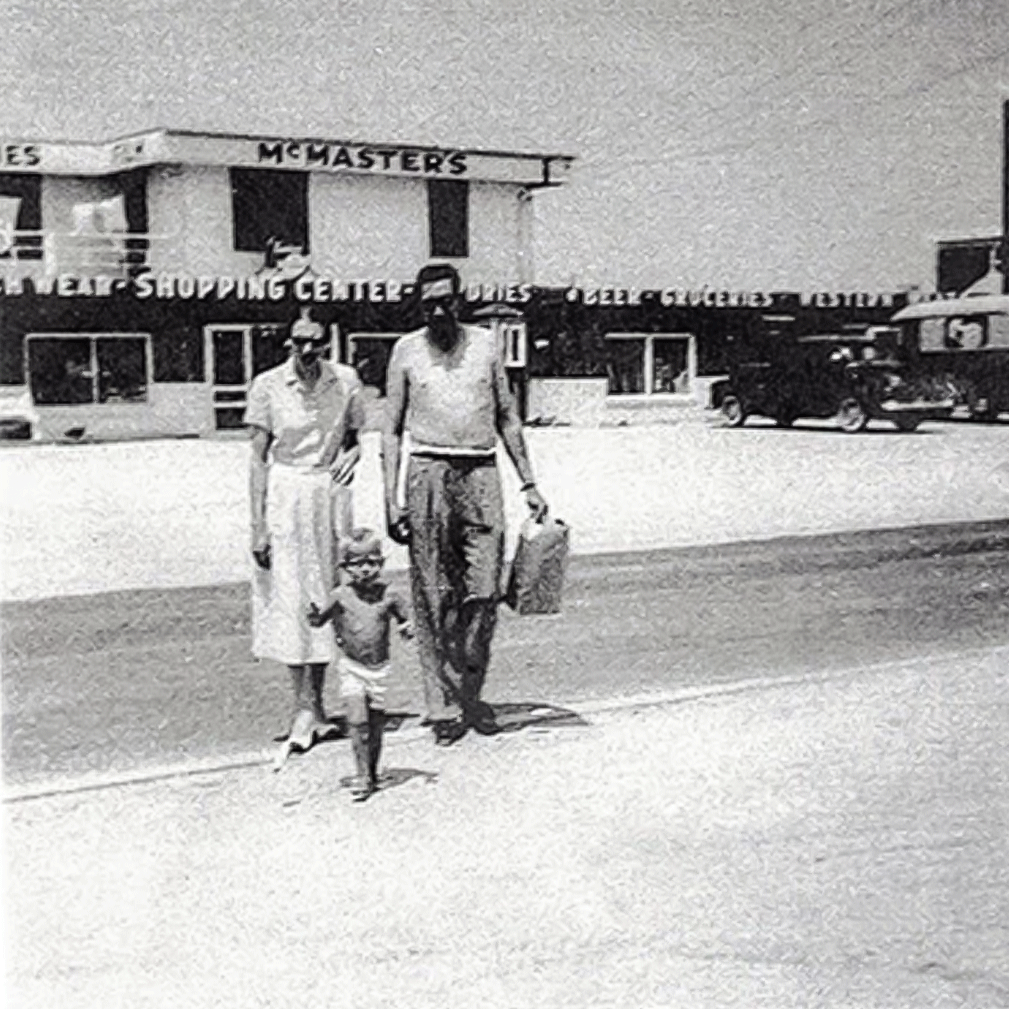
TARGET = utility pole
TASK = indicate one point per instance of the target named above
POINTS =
(1005, 198)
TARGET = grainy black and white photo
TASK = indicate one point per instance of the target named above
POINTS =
(505, 504)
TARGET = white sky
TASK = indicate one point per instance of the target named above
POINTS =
(792, 144)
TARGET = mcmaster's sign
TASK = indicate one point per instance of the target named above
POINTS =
(361, 158)
(182, 147)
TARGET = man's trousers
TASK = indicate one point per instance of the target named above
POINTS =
(456, 555)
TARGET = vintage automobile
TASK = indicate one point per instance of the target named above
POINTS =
(852, 377)
(964, 342)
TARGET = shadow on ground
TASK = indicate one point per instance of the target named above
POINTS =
(393, 777)
(394, 720)
(512, 717)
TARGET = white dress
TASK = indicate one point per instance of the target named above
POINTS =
(306, 512)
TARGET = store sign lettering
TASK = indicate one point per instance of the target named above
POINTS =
(394, 160)
(20, 156)
(310, 288)
(710, 297)
(604, 295)
(856, 299)
(510, 294)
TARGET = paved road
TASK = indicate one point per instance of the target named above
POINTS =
(833, 843)
(122, 682)
(767, 774)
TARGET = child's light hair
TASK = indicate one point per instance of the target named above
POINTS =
(361, 543)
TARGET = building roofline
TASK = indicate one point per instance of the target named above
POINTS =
(171, 131)
(357, 142)
(943, 308)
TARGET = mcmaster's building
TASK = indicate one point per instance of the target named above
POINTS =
(144, 281)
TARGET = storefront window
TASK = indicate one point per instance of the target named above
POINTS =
(650, 363)
(122, 369)
(269, 347)
(626, 367)
(75, 370)
(669, 370)
(60, 371)
(229, 356)
(20, 215)
(370, 357)
(178, 356)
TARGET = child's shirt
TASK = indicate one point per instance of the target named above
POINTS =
(361, 619)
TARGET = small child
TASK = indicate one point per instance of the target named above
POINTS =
(361, 611)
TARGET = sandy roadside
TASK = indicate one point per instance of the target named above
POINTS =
(91, 518)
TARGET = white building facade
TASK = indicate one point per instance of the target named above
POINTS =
(144, 281)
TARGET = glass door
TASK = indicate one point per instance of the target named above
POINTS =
(228, 362)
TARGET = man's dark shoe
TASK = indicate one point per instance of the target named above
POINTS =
(481, 719)
(447, 733)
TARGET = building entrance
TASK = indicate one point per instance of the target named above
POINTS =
(235, 354)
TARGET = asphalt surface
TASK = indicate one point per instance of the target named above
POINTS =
(121, 682)
(830, 842)
(766, 773)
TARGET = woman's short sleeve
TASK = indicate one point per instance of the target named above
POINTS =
(258, 413)
(353, 389)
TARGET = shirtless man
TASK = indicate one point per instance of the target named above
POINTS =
(447, 387)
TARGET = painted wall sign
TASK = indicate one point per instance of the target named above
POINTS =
(355, 157)
(710, 297)
(205, 287)
(311, 288)
(20, 156)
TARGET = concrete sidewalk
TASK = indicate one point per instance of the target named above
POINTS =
(95, 518)
(831, 843)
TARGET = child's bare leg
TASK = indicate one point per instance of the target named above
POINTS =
(317, 680)
(376, 727)
(360, 743)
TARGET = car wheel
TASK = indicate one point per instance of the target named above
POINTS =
(851, 418)
(981, 408)
(732, 411)
(907, 424)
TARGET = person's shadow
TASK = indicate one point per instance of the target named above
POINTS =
(514, 716)
(393, 777)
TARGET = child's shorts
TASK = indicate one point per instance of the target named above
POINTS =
(358, 680)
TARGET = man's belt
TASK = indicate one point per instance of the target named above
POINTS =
(452, 452)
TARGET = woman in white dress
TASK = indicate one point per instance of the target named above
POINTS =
(304, 416)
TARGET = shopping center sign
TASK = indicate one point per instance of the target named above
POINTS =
(312, 288)
(308, 288)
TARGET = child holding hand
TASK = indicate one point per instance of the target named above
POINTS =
(362, 612)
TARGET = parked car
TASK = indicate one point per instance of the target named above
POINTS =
(852, 377)
(964, 342)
